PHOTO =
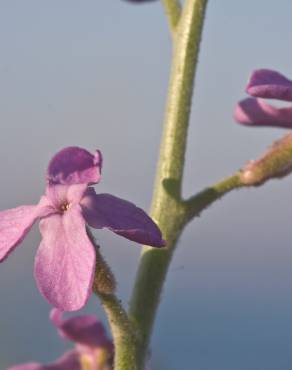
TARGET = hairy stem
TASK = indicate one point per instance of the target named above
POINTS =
(123, 333)
(167, 206)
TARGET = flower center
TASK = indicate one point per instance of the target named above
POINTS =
(64, 207)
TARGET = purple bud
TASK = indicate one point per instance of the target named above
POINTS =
(255, 111)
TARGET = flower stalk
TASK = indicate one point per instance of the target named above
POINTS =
(199, 202)
(122, 329)
(123, 332)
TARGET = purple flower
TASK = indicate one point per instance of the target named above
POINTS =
(94, 350)
(254, 111)
(65, 260)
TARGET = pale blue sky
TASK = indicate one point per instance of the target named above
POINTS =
(94, 74)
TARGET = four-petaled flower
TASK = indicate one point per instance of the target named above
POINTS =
(65, 260)
(93, 350)
(254, 111)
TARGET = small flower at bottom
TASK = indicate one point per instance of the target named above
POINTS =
(65, 260)
(93, 349)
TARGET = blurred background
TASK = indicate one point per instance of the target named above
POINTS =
(94, 74)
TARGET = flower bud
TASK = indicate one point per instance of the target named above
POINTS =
(104, 280)
(275, 163)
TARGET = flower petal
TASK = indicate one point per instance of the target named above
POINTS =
(75, 165)
(65, 260)
(86, 329)
(265, 83)
(15, 223)
(121, 217)
(256, 112)
(28, 366)
(69, 361)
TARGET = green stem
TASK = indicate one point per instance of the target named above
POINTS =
(122, 331)
(196, 204)
(172, 10)
(186, 50)
(167, 207)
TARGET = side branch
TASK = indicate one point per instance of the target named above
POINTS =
(197, 203)
(172, 10)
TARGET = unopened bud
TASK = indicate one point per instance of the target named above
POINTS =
(275, 163)
(104, 280)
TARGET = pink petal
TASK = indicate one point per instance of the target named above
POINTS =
(75, 165)
(121, 217)
(265, 83)
(28, 366)
(86, 329)
(69, 361)
(15, 223)
(256, 112)
(65, 260)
